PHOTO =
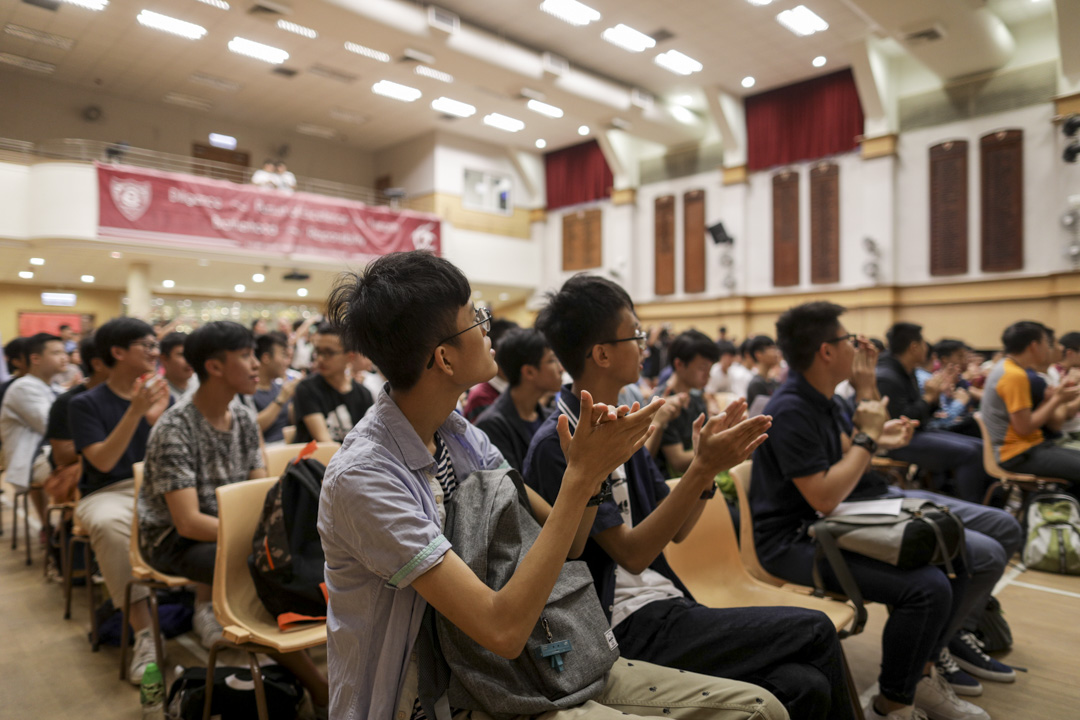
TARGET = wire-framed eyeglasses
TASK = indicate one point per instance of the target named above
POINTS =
(641, 337)
(483, 320)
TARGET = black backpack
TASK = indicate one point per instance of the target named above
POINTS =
(234, 694)
(287, 559)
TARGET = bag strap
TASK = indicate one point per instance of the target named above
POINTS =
(827, 547)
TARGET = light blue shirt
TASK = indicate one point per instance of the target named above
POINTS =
(380, 530)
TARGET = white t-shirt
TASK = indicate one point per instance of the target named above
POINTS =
(286, 181)
(264, 178)
(736, 380)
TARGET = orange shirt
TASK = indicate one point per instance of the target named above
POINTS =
(1014, 388)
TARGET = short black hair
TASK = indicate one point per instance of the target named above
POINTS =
(878, 345)
(744, 347)
(119, 332)
(757, 344)
(327, 328)
(1071, 340)
(64, 327)
(519, 347)
(255, 322)
(901, 335)
(297, 323)
(398, 310)
(172, 341)
(583, 313)
(947, 347)
(35, 344)
(264, 344)
(15, 350)
(726, 347)
(688, 344)
(1018, 336)
(212, 340)
(87, 352)
(499, 327)
(801, 330)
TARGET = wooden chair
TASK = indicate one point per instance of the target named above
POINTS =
(245, 621)
(747, 549)
(899, 472)
(288, 433)
(1006, 479)
(23, 494)
(278, 457)
(148, 577)
(65, 511)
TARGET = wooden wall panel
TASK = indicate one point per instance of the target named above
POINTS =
(825, 223)
(949, 208)
(786, 229)
(582, 239)
(664, 229)
(694, 241)
(1002, 182)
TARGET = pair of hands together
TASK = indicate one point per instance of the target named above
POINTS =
(872, 418)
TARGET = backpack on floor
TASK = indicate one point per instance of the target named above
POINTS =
(234, 694)
(287, 562)
(1053, 534)
(992, 629)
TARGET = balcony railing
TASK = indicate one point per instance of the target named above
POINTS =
(91, 150)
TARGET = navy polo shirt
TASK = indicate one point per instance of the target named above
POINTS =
(804, 440)
(543, 472)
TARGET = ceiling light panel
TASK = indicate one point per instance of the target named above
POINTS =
(37, 261)
(541, 144)
(26, 63)
(96, 5)
(37, 36)
(171, 25)
(225, 142)
(819, 61)
(429, 72)
(570, 11)
(456, 108)
(26, 274)
(257, 50)
(678, 63)
(802, 21)
(628, 38)
(503, 122)
(348, 116)
(759, 2)
(397, 91)
(219, 4)
(544, 109)
(188, 101)
(297, 29)
(215, 82)
(748, 82)
(367, 52)
(317, 131)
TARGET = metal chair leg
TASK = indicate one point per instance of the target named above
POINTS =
(155, 625)
(260, 691)
(67, 561)
(125, 638)
(211, 664)
(26, 524)
(15, 522)
(91, 596)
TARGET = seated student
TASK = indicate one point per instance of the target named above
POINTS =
(481, 397)
(24, 416)
(816, 458)
(1069, 348)
(14, 354)
(1012, 420)
(691, 355)
(792, 652)
(178, 373)
(327, 405)
(273, 393)
(940, 453)
(955, 412)
(381, 510)
(763, 351)
(197, 446)
(110, 425)
(533, 371)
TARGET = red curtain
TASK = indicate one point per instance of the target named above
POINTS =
(805, 121)
(576, 175)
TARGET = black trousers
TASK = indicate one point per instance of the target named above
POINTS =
(791, 652)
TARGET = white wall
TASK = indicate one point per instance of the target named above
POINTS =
(14, 186)
(410, 165)
(62, 201)
(455, 154)
(492, 259)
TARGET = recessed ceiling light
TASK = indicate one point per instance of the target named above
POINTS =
(37, 261)
(26, 63)
(225, 142)
(628, 38)
(257, 50)
(168, 283)
(570, 11)
(397, 91)
(88, 4)
(434, 74)
(541, 143)
(456, 108)
(802, 21)
(819, 61)
(44, 38)
(583, 130)
(238, 287)
(678, 63)
(504, 122)
(87, 278)
(759, 2)
(302, 292)
(685, 100)
(219, 4)
(297, 29)
(26, 274)
(258, 277)
(545, 109)
(748, 82)
(367, 52)
(116, 254)
(183, 28)
(683, 115)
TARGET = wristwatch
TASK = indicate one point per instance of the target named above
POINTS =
(604, 494)
(864, 441)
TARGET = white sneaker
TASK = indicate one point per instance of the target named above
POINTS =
(937, 699)
(142, 655)
(911, 713)
(205, 624)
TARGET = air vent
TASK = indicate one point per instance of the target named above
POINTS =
(443, 20)
(270, 8)
(412, 55)
(296, 275)
(555, 64)
(661, 34)
(642, 99)
(285, 72)
(331, 74)
(53, 5)
(923, 35)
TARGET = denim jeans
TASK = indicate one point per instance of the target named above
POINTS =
(1049, 460)
(940, 452)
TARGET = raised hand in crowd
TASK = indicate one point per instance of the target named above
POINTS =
(897, 433)
(149, 397)
(871, 416)
(729, 438)
(864, 370)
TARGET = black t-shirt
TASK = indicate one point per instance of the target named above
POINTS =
(59, 427)
(681, 429)
(341, 410)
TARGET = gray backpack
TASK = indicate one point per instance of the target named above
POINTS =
(567, 658)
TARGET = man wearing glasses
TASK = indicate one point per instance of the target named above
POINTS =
(110, 425)
(329, 403)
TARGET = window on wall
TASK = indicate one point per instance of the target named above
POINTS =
(949, 208)
(664, 233)
(825, 223)
(786, 229)
(1002, 182)
(488, 192)
(583, 240)
(694, 241)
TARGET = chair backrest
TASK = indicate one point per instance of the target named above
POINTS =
(279, 456)
(990, 463)
(747, 549)
(134, 552)
(709, 555)
(288, 433)
(239, 508)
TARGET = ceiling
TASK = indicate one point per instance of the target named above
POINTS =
(733, 39)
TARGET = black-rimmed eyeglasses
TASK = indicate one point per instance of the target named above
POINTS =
(641, 337)
(853, 338)
(483, 320)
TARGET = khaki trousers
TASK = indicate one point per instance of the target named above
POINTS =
(106, 515)
(641, 689)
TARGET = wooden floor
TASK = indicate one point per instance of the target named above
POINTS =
(47, 670)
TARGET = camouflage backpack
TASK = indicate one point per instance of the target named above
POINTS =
(287, 559)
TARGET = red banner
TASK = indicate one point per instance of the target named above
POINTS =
(188, 211)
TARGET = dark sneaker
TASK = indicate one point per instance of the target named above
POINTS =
(968, 653)
(961, 682)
